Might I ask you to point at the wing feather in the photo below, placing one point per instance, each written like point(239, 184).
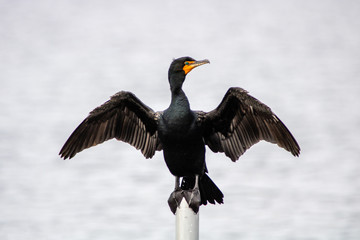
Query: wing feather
point(123, 117)
point(240, 121)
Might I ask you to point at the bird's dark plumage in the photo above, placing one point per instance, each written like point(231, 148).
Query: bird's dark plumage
point(123, 117)
point(240, 121)
point(234, 126)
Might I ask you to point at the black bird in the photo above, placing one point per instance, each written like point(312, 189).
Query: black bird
point(234, 126)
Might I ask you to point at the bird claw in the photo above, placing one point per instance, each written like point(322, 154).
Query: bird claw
point(192, 197)
point(175, 199)
point(194, 200)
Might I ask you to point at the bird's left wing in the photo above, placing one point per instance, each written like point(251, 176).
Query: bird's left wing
point(239, 122)
point(123, 117)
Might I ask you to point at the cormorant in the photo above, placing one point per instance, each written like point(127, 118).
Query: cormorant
point(234, 126)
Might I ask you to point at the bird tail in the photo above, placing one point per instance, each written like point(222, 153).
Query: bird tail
point(209, 192)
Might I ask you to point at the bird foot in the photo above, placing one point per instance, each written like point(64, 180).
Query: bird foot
point(191, 196)
point(175, 199)
point(193, 199)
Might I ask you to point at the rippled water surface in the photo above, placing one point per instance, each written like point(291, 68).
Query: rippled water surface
point(61, 59)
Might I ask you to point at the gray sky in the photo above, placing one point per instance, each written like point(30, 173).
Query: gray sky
point(61, 59)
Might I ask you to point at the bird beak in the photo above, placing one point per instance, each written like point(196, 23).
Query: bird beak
point(190, 65)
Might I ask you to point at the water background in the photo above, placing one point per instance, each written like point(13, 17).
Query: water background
point(61, 59)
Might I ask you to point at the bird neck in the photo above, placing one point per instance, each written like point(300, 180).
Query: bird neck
point(179, 99)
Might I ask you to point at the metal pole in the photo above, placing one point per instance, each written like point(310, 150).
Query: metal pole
point(187, 222)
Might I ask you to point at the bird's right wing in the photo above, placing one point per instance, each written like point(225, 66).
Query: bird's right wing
point(123, 117)
point(239, 122)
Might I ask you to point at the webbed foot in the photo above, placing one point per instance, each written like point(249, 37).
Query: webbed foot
point(175, 199)
point(193, 199)
point(192, 196)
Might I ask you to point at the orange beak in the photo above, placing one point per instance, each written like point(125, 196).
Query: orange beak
point(190, 65)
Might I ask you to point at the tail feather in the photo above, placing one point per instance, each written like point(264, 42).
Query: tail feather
point(208, 190)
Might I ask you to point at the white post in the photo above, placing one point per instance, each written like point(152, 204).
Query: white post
point(187, 222)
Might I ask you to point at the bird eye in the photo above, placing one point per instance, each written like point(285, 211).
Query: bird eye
point(186, 63)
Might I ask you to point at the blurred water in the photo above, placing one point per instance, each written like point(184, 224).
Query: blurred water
point(60, 59)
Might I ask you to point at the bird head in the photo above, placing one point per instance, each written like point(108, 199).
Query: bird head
point(180, 67)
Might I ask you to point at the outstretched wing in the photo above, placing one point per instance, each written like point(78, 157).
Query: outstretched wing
point(123, 117)
point(240, 121)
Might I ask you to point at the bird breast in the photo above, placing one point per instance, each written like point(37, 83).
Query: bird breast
point(177, 126)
